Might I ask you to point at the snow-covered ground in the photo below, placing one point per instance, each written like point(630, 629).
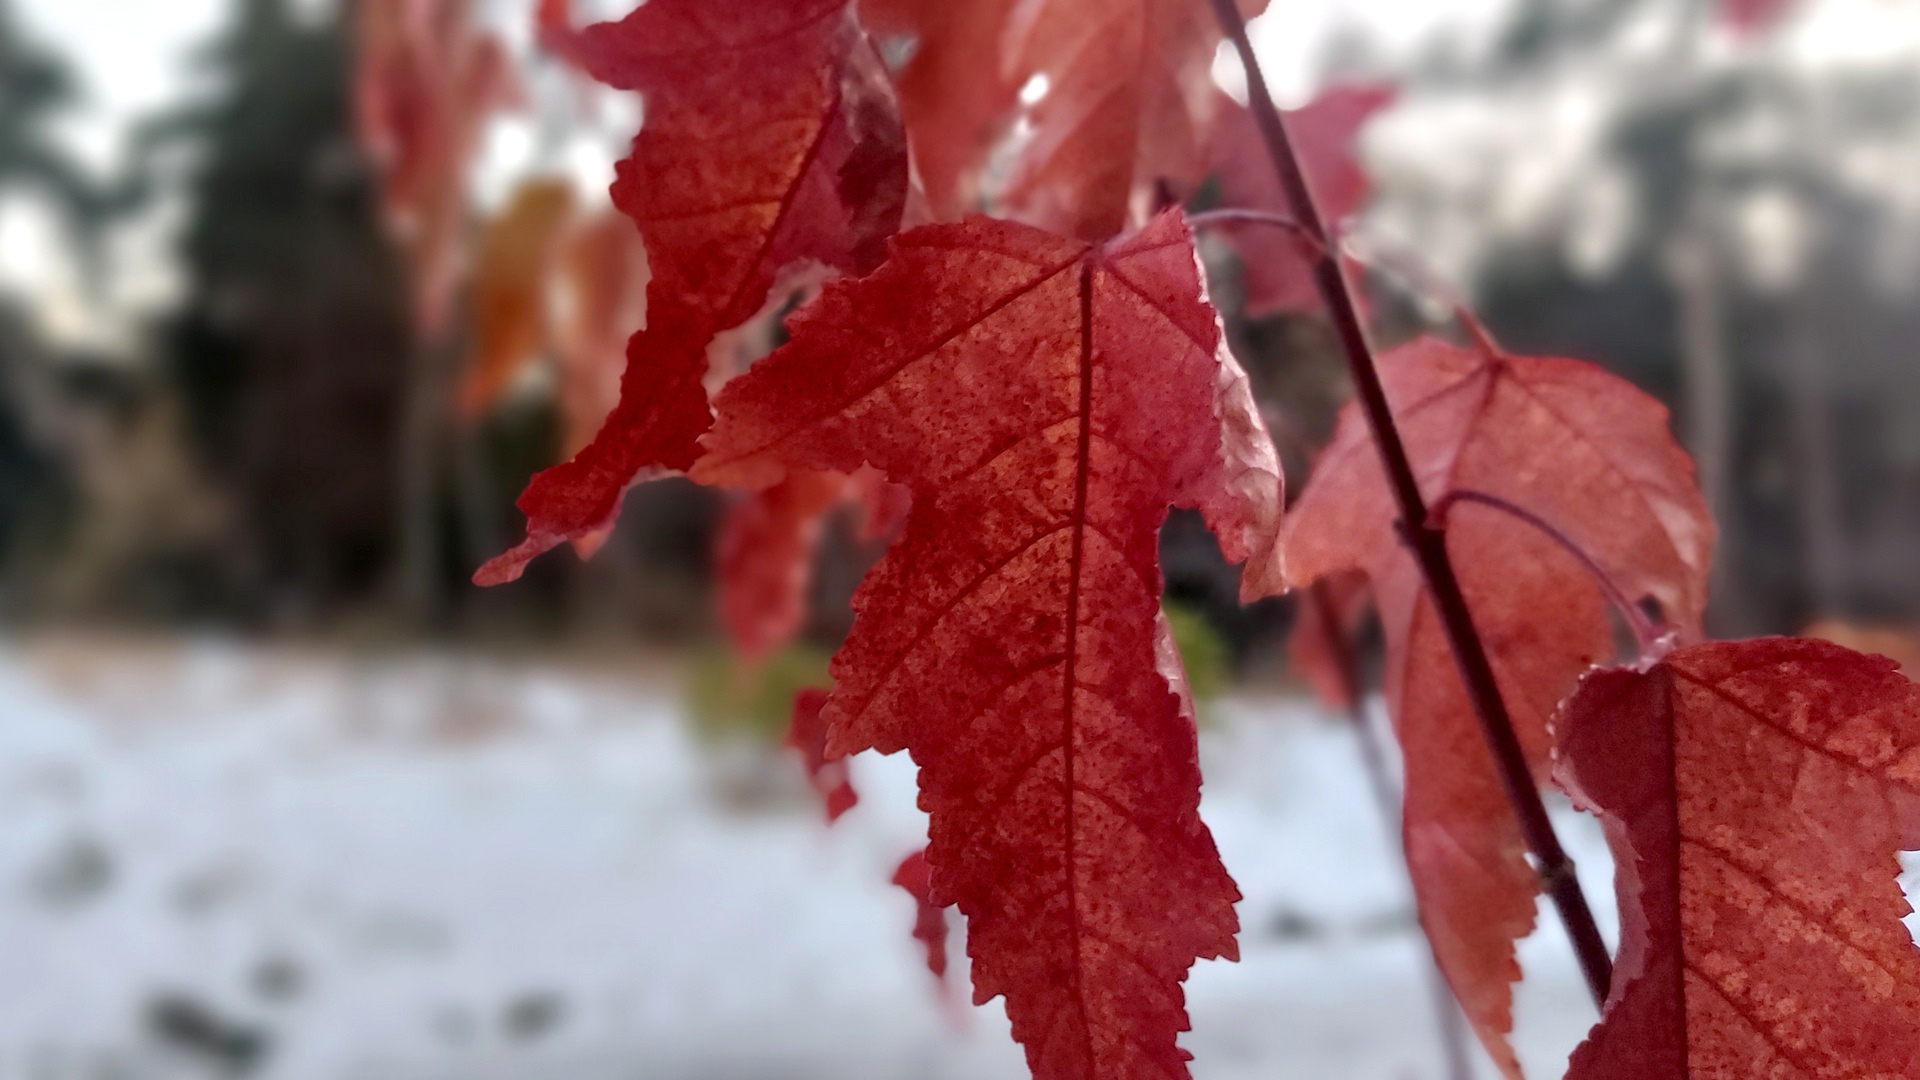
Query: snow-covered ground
point(221, 857)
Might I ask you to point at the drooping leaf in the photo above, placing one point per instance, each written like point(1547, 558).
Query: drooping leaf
point(955, 96)
point(764, 558)
point(1320, 645)
point(1130, 99)
point(827, 772)
point(930, 919)
point(1277, 271)
point(1756, 794)
point(1045, 400)
point(771, 137)
point(1590, 455)
point(511, 284)
point(425, 79)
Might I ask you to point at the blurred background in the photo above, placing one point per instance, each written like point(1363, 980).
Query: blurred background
point(284, 796)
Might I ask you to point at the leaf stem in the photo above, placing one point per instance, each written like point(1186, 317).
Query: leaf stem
point(1644, 630)
point(1231, 217)
point(1427, 543)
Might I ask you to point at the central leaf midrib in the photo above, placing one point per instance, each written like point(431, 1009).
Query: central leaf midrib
point(1075, 566)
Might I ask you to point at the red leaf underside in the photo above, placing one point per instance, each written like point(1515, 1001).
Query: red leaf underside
point(1756, 794)
point(1045, 401)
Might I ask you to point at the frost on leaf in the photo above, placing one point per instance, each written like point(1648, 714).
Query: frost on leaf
point(1756, 794)
point(826, 772)
point(1592, 456)
point(771, 138)
point(1045, 401)
point(1277, 272)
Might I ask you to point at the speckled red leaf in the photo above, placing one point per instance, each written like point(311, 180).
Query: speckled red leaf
point(1130, 100)
point(771, 138)
point(954, 94)
point(764, 558)
point(1277, 272)
point(915, 875)
point(826, 772)
point(425, 78)
point(1591, 455)
point(1046, 401)
point(1756, 794)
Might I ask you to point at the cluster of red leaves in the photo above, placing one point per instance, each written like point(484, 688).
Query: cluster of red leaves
point(1022, 402)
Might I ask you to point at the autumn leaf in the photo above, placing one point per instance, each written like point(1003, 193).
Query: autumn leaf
point(1130, 99)
point(1592, 457)
point(955, 97)
point(1748, 17)
point(764, 558)
point(603, 275)
point(1320, 644)
point(425, 79)
point(826, 772)
point(1756, 794)
point(1045, 400)
point(915, 875)
point(771, 138)
point(1277, 272)
point(511, 280)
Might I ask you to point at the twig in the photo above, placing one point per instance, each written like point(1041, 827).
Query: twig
point(1230, 217)
point(1644, 630)
point(1386, 796)
point(1427, 543)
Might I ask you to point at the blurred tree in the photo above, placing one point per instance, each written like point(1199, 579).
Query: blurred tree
point(291, 346)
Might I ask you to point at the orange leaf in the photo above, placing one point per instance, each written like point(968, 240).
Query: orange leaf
point(1045, 400)
point(517, 258)
point(1592, 456)
point(1756, 794)
point(771, 138)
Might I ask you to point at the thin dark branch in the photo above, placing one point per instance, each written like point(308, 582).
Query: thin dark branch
point(1231, 217)
point(1428, 544)
point(1644, 631)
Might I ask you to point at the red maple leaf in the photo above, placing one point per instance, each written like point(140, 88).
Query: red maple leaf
point(1756, 794)
point(826, 772)
point(1045, 400)
point(1130, 99)
point(425, 79)
point(1591, 457)
point(1277, 272)
point(930, 919)
point(771, 138)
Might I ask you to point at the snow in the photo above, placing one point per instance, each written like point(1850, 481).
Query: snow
point(437, 865)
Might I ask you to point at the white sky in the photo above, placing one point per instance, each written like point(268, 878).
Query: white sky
point(132, 57)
